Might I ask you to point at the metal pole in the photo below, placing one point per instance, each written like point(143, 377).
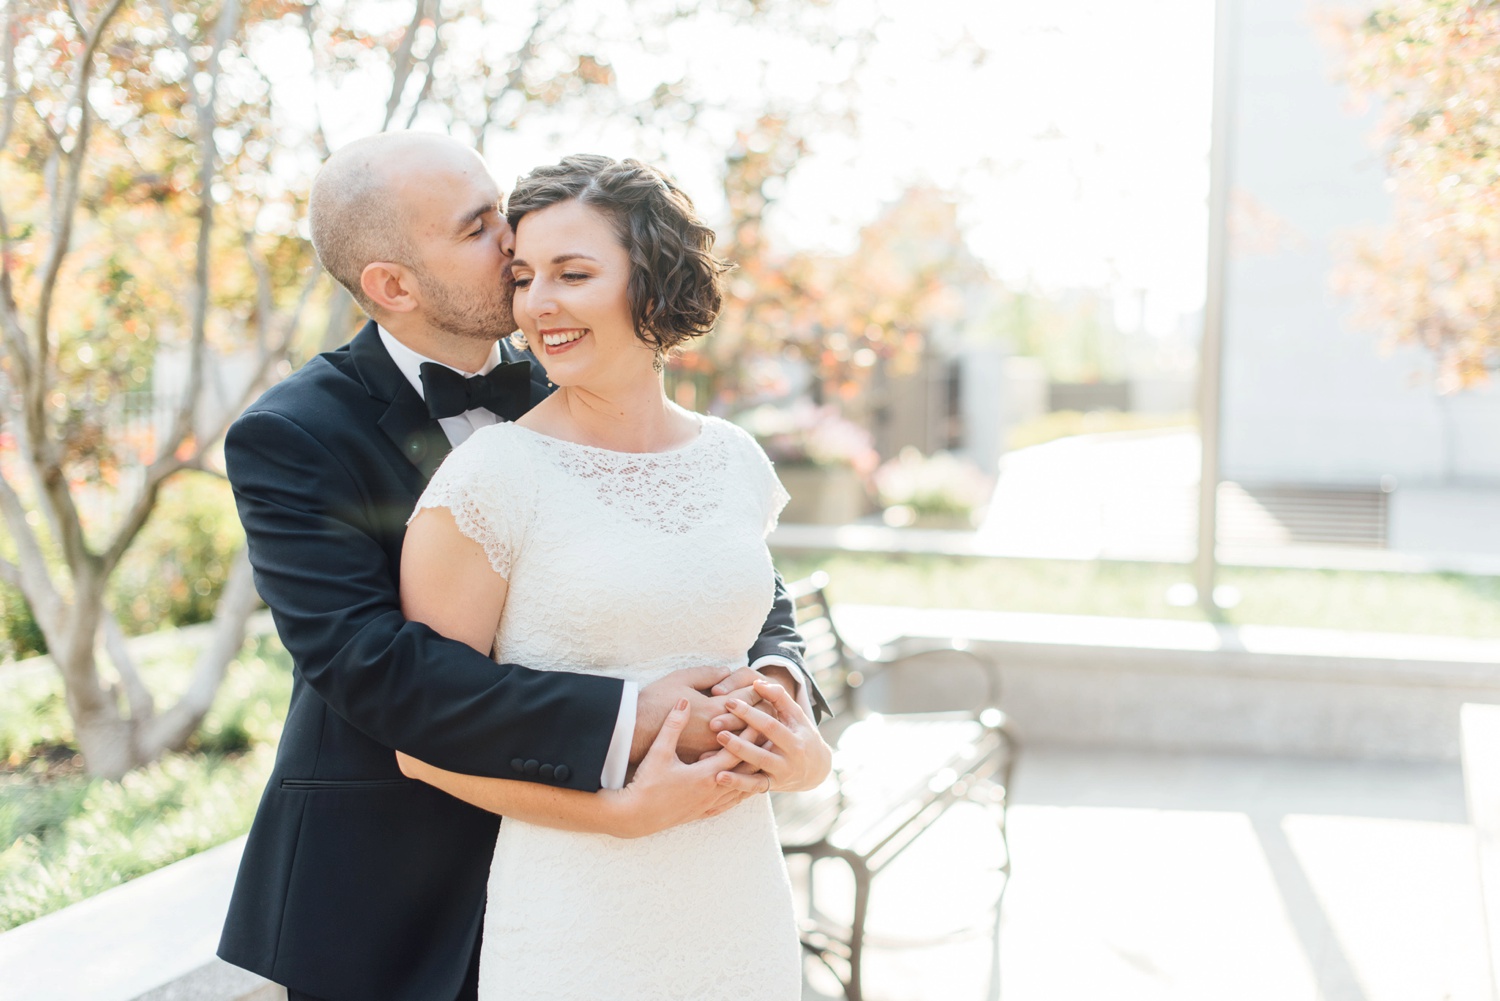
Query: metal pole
point(1211, 351)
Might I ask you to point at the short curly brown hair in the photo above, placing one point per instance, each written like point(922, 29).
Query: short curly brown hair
point(676, 282)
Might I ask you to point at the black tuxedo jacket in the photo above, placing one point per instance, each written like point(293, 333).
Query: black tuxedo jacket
point(357, 883)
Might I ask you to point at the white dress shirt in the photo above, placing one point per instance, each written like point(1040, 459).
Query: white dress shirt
point(458, 429)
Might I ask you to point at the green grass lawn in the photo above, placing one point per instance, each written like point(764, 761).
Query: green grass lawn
point(1450, 604)
point(65, 836)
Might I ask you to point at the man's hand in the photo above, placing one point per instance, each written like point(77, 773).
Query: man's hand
point(666, 792)
point(794, 756)
point(741, 685)
point(657, 699)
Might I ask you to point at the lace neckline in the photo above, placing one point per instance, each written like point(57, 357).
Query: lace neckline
point(679, 450)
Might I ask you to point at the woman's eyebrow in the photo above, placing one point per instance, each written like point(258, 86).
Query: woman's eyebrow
point(559, 259)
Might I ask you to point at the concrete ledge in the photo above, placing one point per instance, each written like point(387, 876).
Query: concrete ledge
point(1184, 686)
point(151, 939)
point(877, 538)
point(1481, 758)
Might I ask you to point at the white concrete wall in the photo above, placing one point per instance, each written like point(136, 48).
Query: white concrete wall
point(1190, 687)
point(151, 939)
point(1445, 521)
point(1306, 399)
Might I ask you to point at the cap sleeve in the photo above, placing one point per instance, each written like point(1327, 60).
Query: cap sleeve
point(767, 485)
point(488, 486)
point(778, 498)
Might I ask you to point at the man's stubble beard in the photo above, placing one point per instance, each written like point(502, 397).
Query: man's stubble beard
point(485, 315)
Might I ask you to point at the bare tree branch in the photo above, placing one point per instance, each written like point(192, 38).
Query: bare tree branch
point(139, 511)
point(272, 352)
point(265, 301)
point(10, 323)
point(10, 573)
point(52, 134)
point(514, 80)
point(429, 66)
point(137, 696)
point(51, 482)
point(8, 74)
point(271, 355)
point(166, 462)
point(182, 424)
point(320, 135)
point(340, 309)
point(178, 38)
point(401, 64)
point(171, 729)
point(77, 16)
point(65, 204)
point(34, 579)
point(15, 335)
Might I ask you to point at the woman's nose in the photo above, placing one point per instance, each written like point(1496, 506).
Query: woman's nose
point(539, 301)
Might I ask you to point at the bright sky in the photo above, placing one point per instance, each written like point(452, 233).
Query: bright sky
point(1074, 135)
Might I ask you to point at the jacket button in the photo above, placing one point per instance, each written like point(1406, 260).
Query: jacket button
point(561, 773)
point(517, 765)
point(531, 766)
point(545, 771)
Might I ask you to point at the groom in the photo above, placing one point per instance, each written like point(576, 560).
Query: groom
point(357, 883)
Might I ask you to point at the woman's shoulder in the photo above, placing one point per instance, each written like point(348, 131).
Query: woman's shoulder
point(484, 444)
point(500, 451)
point(727, 430)
point(733, 438)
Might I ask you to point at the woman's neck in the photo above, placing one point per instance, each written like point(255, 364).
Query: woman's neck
point(633, 417)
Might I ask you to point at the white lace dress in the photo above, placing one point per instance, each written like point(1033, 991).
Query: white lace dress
point(629, 565)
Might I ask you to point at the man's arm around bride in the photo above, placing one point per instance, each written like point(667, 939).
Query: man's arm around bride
point(448, 584)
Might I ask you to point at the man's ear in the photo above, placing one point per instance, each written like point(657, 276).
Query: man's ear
point(391, 287)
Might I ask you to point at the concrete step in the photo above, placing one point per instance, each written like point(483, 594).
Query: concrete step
point(151, 939)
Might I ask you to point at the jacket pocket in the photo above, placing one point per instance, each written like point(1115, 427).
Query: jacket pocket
point(345, 783)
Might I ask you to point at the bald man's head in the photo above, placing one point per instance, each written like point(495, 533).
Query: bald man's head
point(357, 211)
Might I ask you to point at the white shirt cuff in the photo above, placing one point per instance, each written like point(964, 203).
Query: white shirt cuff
point(617, 759)
point(798, 675)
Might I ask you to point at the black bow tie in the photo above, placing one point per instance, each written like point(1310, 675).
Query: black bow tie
point(506, 390)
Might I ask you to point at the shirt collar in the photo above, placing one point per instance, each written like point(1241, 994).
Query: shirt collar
point(410, 362)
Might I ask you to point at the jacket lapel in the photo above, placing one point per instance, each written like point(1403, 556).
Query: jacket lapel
point(418, 437)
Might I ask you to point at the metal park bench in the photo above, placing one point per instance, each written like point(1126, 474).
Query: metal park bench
point(894, 773)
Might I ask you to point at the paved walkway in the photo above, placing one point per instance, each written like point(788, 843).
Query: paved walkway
point(1138, 877)
point(1143, 877)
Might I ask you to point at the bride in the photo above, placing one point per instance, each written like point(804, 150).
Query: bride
point(611, 531)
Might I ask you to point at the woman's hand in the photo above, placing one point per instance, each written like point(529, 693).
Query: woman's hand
point(665, 792)
point(794, 756)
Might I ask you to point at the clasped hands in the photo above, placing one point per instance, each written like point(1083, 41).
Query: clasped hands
point(706, 739)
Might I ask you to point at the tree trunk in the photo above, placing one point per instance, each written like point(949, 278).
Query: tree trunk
point(105, 736)
point(170, 731)
point(113, 741)
point(340, 318)
point(108, 744)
